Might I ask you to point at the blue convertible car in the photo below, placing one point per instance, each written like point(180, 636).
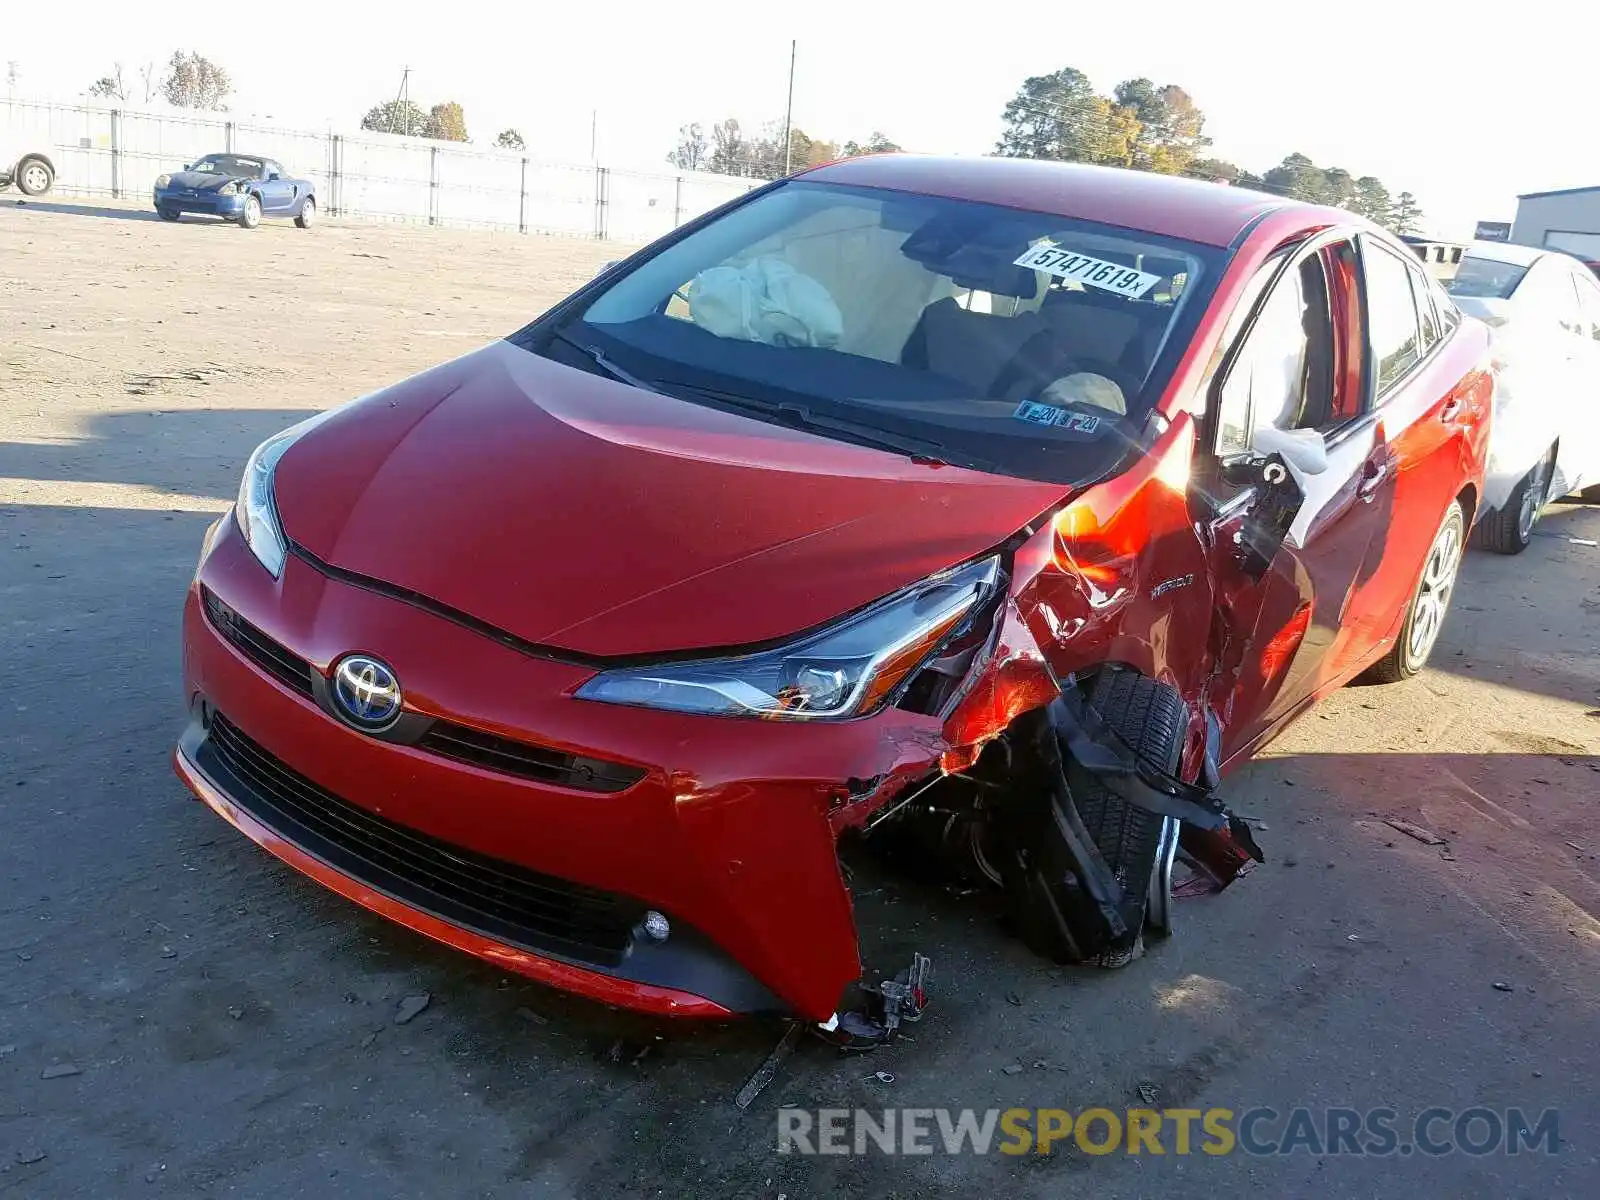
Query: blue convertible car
point(236, 187)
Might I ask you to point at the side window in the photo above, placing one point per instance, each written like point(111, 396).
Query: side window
point(1547, 291)
point(1425, 311)
point(1283, 373)
point(1392, 326)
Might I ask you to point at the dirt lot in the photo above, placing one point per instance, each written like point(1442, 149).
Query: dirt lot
point(230, 1026)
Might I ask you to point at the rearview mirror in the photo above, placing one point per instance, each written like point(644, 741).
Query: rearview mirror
point(1303, 449)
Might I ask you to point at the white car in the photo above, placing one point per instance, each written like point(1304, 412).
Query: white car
point(30, 171)
point(1544, 310)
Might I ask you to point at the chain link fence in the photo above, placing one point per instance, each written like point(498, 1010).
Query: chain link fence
point(118, 152)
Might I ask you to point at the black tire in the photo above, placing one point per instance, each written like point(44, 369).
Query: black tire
point(1061, 922)
point(1509, 528)
point(34, 176)
point(251, 216)
point(168, 214)
point(1406, 657)
point(308, 213)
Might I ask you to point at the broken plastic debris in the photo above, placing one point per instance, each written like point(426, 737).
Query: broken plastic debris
point(1426, 836)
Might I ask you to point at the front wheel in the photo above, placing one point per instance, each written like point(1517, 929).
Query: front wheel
point(308, 214)
point(1429, 603)
point(1509, 529)
point(251, 216)
point(167, 214)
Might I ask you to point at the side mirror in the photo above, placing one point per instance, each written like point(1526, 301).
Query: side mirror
point(1303, 449)
point(271, 175)
point(606, 266)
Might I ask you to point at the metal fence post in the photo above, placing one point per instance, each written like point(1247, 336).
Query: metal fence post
point(677, 201)
point(116, 153)
point(433, 185)
point(227, 136)
point(602, 197)
point(333, 175)
point(522, 199)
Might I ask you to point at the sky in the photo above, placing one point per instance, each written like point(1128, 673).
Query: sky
point(1465, 118)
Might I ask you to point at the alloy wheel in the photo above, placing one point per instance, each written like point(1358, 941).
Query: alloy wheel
point(1433, 596)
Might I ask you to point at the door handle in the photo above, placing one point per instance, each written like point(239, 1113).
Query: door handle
point(1373, 473)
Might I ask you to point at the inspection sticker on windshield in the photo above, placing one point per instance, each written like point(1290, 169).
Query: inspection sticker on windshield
point(1062, 418)
point(1086, 269)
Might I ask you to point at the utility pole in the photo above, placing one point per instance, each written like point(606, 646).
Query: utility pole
point(402, 99)
point(788, 115)
point(594, 134)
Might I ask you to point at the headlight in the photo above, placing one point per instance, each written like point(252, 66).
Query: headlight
point(255, 510)
point(228, 189)
point(163, 180)
point(844, 671)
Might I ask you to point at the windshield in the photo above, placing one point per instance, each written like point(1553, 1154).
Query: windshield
point(1013, 341)
point(228, 164)
point(1485, 278)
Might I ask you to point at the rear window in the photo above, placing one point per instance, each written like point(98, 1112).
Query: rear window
point(1003, 337)
point(1486, 278)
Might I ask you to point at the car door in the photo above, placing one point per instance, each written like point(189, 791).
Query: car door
point(1429, 407)
point(1578, 465)
point(1297, 362)
point(277, 193)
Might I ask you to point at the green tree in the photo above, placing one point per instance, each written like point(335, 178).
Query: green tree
point(194, 81)
point(1406, 217)
point(447, 122)
point(878, 143)
point(396, 116)
point(1372, 200)
point(692, 151)
point(1055, 116)
point(510, 139)
point(1218, 170)
point(729, 149)
point(1171, 130)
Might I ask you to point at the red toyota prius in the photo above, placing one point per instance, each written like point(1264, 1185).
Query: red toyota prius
point(1031, 495)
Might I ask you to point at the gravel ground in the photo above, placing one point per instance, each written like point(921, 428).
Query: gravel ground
point(180, 1015)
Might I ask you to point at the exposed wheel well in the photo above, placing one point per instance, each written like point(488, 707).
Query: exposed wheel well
point(44, 158)
point(1468, 497)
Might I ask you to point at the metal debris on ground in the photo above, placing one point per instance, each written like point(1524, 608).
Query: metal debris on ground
point(29, 1155)
point(1147, 1093)
point(1426, 836)
point(411, 1006)
point(60, 1071)
point(883, 1076)
point(1503, 987)
point(1013, 999)
point(764, 1074)
point(1011, 1069)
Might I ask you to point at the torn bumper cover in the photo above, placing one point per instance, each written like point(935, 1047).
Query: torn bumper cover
point(733, 842)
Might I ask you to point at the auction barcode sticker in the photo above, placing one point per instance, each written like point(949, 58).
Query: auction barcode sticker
point(1086, 269)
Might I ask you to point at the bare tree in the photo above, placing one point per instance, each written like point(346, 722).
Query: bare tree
point(152, 81)
point(110, 87)
point(194, 81)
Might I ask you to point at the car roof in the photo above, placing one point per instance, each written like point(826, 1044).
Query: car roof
point(1173, 206)
point(1506, 252)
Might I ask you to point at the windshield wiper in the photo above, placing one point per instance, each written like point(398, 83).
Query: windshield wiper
point(923, 451)
point(598, 357)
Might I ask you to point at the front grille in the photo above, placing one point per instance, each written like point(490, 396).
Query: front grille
point(444, 738)
point(497, 898)
point(449, 740)
point(272, 657)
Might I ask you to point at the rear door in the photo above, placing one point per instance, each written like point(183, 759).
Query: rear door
point(1429, 408)
point(1297, 362)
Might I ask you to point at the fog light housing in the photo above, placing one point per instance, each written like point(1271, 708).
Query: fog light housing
point(656, 926)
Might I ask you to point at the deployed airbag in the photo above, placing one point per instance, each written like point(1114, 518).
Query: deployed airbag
point(765, 301)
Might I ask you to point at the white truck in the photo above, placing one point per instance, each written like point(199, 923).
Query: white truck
point(30, 171)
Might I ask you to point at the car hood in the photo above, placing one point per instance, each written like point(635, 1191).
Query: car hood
point(586, 515)
point(200, 181)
